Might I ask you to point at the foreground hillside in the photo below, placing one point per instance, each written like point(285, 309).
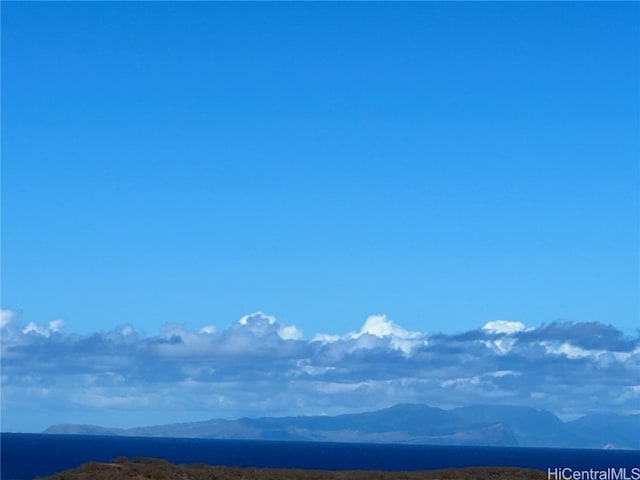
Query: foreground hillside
point(148, 469)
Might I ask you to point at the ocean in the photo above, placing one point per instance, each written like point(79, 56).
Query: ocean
point(25, 456)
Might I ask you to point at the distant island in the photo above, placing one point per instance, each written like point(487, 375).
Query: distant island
point(409, 424)
point(156, 469)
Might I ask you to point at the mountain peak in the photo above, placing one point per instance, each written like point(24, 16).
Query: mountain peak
point(407, 423)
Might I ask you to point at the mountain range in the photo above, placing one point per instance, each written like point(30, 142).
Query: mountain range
point(408, 423)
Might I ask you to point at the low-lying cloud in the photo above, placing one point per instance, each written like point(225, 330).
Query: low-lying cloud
point(260, 367)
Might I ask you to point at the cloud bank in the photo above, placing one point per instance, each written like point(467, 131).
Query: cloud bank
point(260, 367)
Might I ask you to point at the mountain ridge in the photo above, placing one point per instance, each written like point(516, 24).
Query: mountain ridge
point(477, 425)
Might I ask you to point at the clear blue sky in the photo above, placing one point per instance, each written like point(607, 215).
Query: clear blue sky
point(469, 170)
point(444, 164)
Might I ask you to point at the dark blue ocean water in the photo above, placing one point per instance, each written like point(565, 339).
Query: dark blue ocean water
point(25, 456)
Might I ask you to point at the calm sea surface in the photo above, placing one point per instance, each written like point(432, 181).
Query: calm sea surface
point(25, 456)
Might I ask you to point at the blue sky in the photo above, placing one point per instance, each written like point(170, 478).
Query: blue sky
point(447, 165)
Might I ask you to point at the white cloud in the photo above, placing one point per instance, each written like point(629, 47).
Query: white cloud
point(379, 327)
point(7, 316)
point(461, 382)
point(505, 331)
point(44, 330)
point(570, 351)
point(501, 346)
point(326, 338)
point(401, 339)
point(504, 326)
point(176, 340)
point(257, 317)
point(624, 356)
point(290, 333)
point(504, 373)
point(261, 367)
point(127, 330)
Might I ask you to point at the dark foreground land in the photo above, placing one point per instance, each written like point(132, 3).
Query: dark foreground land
point(147, 469)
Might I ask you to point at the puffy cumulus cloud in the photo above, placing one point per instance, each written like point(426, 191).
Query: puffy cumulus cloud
point(9, 323)
point(504, 326)
point(257, 319)
point(7, 316)
point(399, 338)
point(44, 330)
point(290, 332)
point(502, 333)
point(257, 366)
point(261, 325)
point(379, 326)
point(377, 332)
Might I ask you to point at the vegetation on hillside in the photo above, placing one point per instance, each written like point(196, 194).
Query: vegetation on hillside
point(156, 469)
